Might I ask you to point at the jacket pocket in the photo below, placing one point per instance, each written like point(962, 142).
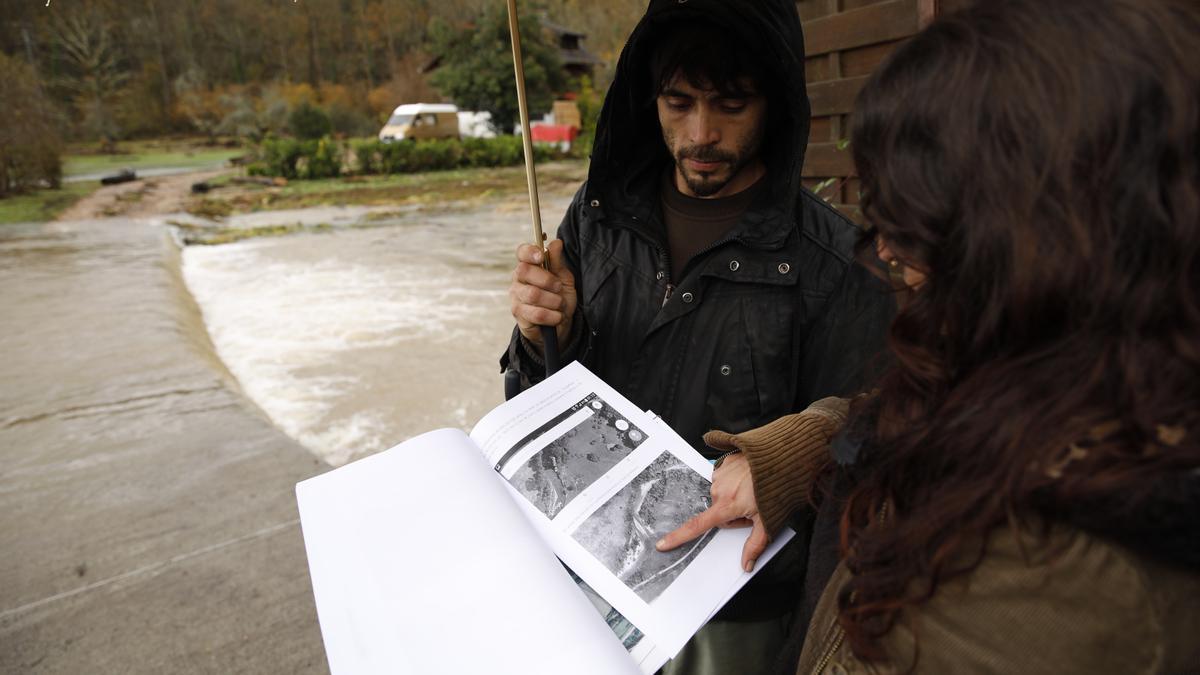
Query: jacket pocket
point(597, 306)
point(594, 276)
point(732, 404)
point(774, 349)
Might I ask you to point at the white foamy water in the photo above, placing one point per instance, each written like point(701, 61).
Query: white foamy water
point(354, 340)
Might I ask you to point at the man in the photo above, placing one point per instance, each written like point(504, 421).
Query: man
point(695, 275)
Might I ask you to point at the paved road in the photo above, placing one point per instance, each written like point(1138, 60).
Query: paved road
point(147, 517)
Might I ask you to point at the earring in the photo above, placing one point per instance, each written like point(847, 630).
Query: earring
point(894, 264)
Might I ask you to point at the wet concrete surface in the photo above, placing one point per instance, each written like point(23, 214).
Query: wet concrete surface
point(147, 514)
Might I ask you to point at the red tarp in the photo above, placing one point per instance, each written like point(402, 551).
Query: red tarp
point(553, 133)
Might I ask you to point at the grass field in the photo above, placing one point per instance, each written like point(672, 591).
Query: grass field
point(433, 187)
point(85, 160)
point(141, 155)
point(44, 204)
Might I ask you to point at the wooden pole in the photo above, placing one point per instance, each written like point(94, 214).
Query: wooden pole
point(549, 334)
point(539, 237)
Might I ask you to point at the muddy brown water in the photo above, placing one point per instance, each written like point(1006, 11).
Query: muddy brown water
point(147, 521)
point(157, 407)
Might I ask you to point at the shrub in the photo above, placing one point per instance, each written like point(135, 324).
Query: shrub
point(437, 154)
point(325, 161)
point(499, 151)
point(368, 157)
point(348, 122)
point(541, 153)
point(309, 122)
point(396, 157)
point(281, 156)
point(325, 158)
point(589, 101)
point(259, 169)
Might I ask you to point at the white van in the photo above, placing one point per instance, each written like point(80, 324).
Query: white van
point(412, 121)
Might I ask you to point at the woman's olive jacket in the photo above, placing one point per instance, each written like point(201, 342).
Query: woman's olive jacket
point(1071, 603)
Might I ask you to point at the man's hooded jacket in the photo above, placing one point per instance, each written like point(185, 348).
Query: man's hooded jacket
point(773, 315)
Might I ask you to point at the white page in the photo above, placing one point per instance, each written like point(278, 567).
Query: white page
point(421, 563)
point(633, 459)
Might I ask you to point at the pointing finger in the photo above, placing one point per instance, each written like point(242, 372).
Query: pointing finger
point(694, 527)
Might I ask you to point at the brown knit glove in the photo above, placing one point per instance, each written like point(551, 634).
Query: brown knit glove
point(786, 456)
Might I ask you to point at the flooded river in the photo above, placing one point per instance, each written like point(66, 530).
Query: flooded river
point(158, 406)
point(147, 513)
point(354, 340)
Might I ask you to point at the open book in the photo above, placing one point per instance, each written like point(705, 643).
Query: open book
point(525, 547)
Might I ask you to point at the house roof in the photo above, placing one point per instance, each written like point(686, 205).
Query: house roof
point(574, 56)
point(559, 29)
point(577, 56)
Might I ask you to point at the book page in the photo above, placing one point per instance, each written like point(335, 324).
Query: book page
point(602, 481)
point(422, 563)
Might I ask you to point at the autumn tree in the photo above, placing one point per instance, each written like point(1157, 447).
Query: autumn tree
point(199, 103)
point(119, 67)
point(30, 147)
point(476, 66)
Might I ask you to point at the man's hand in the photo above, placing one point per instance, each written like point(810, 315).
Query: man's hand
point(733, 505)
point(542, 297)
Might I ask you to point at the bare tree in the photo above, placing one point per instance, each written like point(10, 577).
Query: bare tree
point(95, 74)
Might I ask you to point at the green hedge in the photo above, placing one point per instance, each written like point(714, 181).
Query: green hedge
point(293, 158)
point(326, 158)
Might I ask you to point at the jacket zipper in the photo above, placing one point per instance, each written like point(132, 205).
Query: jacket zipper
point(664, 259)
point(837, 644)
point(720, 242)
point(667, 259)
point(841, 634)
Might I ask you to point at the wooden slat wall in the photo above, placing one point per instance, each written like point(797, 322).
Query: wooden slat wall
point(845, 40)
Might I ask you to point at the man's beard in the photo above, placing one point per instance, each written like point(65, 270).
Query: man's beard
point(708, 183)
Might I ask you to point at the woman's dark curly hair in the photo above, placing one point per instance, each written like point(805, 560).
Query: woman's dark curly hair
point(1040, 162)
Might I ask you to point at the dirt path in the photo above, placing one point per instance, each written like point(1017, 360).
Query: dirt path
point(140, 198)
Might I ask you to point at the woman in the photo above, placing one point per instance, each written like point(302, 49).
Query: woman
point(1027, 493)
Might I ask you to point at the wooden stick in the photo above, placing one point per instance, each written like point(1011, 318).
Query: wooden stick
point(549, 334)
point(539, 237)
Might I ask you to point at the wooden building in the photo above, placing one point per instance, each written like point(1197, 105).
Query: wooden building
point(576, 59)
point(844, 41)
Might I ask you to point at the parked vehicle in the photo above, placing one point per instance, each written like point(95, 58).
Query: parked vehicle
point(413, 121)
point(472, 124)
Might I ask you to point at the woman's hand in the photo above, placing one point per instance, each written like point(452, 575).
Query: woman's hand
point(733, 505)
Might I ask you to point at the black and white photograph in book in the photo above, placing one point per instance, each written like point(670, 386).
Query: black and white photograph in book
point(622, 532)
point(567, 465)
point(626, 632)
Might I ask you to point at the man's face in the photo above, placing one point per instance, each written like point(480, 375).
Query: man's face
point(714, 138)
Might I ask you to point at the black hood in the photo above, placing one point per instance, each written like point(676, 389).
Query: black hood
point(629, 148)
